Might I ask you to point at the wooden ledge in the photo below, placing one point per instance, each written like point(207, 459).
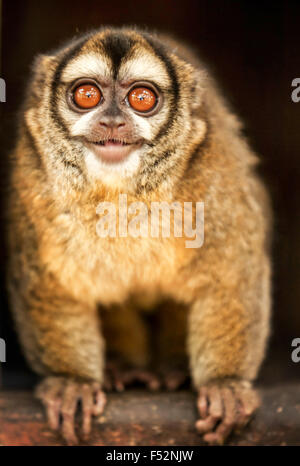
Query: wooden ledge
point(143, 418)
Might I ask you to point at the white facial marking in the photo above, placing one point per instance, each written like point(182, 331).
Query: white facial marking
point(111, 173)
point(143, 126)
point(145, 67)
point(92, 65)
point(83, 124)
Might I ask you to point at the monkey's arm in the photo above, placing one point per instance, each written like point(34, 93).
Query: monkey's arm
point(227, 332)
point(228, 285)
point(62, 341)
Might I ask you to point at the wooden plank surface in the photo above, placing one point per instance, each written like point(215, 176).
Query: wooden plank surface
point(137, 417)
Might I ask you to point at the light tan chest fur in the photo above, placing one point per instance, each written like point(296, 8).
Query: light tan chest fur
point(109, 270)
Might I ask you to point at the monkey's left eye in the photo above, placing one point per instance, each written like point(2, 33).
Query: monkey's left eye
point(86, 96)
point(142, 99)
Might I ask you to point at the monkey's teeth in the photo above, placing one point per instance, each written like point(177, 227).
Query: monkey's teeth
point(116, 142)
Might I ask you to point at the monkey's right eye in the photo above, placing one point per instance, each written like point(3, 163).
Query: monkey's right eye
point(87, 95)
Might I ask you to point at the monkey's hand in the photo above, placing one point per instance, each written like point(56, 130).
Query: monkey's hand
point(225, 407)
point(62, 398)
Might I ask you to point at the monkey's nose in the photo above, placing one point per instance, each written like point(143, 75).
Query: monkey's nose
point(111, 123)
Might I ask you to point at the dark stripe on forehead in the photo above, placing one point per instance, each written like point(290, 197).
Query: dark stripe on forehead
point(69, 55)
point(160, 52)
point(117, 45)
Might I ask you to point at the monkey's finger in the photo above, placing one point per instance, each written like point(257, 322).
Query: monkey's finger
point(96, 386)
point(228, 423)
point(206, 425)
point(215, 411)
point(53, 408)
point(215, 402)
point(49, 392)
point(87, 409)
point(100, 402)
point(69, 406)
point(248, 402)
point(202, 402)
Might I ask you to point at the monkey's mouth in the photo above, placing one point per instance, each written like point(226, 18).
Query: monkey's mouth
point(115, 142)
point(113, 150)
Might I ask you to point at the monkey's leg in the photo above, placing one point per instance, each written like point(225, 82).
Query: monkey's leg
point(226, 342)
point(128, 349)
point(62, 341)
point(171, 351)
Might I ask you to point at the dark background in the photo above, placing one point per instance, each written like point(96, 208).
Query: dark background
point(253, 49)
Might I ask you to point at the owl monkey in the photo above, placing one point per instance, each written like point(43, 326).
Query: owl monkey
point(128, 111)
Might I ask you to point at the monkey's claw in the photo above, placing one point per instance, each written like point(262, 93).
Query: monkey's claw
point(62, 399)
point(225, 408)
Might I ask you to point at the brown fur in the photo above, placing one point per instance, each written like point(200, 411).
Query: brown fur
point(60, 270)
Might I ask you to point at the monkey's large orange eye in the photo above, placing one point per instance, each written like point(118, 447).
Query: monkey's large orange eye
point(87, 95)
point(142, 99)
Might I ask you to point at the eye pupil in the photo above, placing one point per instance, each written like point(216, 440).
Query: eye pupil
point(142, 99)
point(87, 96)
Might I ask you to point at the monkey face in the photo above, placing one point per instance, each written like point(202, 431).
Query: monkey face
point(125, 105)
point(114, 117)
